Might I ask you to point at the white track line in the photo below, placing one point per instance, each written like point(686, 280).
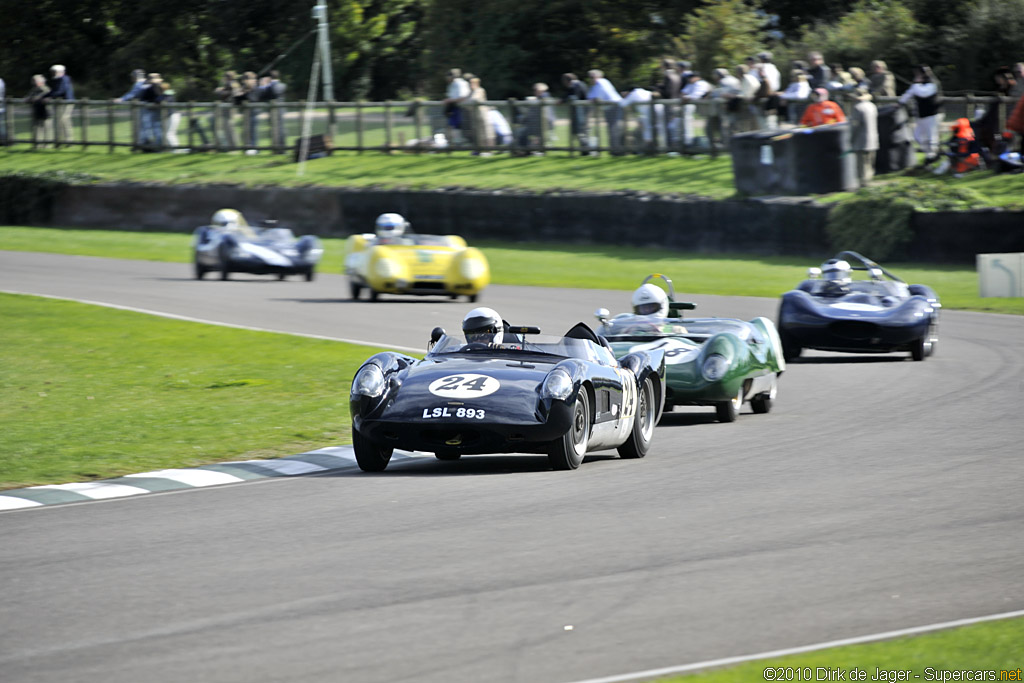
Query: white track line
point(97, 490)
point(186, 318)
point(191, 477)
point(684, 668)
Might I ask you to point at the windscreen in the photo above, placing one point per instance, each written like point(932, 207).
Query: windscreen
point(516, 344)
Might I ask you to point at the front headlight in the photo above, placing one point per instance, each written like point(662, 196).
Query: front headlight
point(557, 384)
point(715, 367)
point(387, 268)
point(471, 268)
point(369, 381)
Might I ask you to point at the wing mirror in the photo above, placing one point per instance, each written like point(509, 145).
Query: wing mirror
point(876, 273)
point(435, 336)
point(814, 273)
point(602, 315)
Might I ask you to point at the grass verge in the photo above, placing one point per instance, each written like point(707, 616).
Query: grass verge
point(993, 646)
point(89, 393)
point(551, 265)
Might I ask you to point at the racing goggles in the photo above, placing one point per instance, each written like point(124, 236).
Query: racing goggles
point(487, 332)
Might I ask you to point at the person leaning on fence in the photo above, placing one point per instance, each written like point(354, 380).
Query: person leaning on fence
point(456, 92)
point(640, 99)
point(695, 90)
point(882, 82)
point(173, 119)
point(721, 124)
point(483, 134)
point(225, 96)
point(822, 111)
point(864, 132)
point(818, 73)
point(535, 118)
point(602, 90)
point(63, 94)
point(151, 134)
point(797, 92)
point(272, 92)
point(579, 123)
point(749, 115)
point(249, 101)
point(40, 114)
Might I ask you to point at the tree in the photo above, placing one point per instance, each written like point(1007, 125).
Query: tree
point(723, 34)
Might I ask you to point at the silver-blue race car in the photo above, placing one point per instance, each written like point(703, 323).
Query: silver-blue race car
point(834, 311)
point(230, 245)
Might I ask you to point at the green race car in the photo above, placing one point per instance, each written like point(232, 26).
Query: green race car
point(720, 362)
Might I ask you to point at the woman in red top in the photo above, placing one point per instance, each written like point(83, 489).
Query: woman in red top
point(822, 111)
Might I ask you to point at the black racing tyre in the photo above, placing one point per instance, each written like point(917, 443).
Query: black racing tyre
point(355, 290)
point(728, 411)
point(790, 349)
point(369, 456)
point(373, 294)
point(200, 271)
point(473, 298)
point(281, 276)
point(568, 452)
point(639, 441)
point(762, 403)
point(310, 274)
point(447, 456)
point(222, 252)
point(920, 349)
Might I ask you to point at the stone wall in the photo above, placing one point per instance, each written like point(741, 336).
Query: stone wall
point(782, 226)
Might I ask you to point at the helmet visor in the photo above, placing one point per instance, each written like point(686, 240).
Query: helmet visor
point(481, 334)
point(648, 308)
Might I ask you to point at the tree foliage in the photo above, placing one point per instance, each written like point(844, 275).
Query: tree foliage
point(723, 34)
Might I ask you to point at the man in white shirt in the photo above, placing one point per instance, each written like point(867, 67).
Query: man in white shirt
point(642, 97)
point(457, 91)
point(695, 89)
point(602, 90)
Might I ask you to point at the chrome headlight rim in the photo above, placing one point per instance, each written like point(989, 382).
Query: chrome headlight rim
point(557, 385)
point(715, 367)
point(369, 381)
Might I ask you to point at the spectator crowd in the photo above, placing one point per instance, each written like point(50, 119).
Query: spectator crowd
point(678, 110)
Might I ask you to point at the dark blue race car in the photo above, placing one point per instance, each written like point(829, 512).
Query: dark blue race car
point(562, 396)
point(879, 313)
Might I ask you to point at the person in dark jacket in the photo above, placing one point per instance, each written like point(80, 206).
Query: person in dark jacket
point(579, 124)
point(40, 114)
point(62, 93)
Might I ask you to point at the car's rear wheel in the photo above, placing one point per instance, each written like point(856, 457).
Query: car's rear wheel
point(225, 271)
point(200, 271)
point(354, 290)
point(373, 294)
point(567, 452)
point(473, 298)
point(790, 349)
point(639, 441)
point(728, 411)
point(310, 274)
point(369, 456)
point(281, 276)
point(447, 456)
point(762, 403)
point(920, 349)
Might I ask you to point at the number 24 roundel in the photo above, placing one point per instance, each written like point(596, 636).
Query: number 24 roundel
point(464, 386)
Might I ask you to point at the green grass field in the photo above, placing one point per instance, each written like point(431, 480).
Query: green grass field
point(593, 267)
point(993, 646)
point(90, 393)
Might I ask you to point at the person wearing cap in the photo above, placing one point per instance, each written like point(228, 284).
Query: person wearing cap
point(864, 132)
point(822, 111)
point(224, 115)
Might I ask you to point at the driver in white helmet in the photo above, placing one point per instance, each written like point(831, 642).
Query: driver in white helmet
point(836, 276)
point(483, 326)
point(390, 227)
point(651, 300)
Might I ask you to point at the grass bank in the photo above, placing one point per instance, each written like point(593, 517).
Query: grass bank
point(699, 176)
point(990, 647)
point(550, 265)
point(90, 393)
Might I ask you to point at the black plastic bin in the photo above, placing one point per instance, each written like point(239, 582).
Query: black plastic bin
point(794, 162)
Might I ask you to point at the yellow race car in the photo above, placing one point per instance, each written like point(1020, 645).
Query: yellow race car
point(394, 261)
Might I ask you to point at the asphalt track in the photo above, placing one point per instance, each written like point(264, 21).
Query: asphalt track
point(879, 494)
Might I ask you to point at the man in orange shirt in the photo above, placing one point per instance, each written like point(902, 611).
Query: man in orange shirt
point(822, 111)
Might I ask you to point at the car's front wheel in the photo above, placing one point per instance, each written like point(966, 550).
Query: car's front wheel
point(567, 452)
point(728, 411)
point(310, 274)
point(369, 456)
point(200, 271)
point(762, 403)
point(639, 441)
point(354, 290)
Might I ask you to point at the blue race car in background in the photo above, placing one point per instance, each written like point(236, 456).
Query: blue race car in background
point(532, 393)
point(832, 311)
point(230, 245)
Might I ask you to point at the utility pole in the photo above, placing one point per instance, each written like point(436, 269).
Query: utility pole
point(324, 41)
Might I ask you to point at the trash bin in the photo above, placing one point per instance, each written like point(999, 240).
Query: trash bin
point(824, 161)
point(895, 146)
point(761, 160)
point(795, 162)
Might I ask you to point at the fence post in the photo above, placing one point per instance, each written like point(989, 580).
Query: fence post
point(417, 118)
point(387, 126)
point(110, 126)
point(359, 126)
